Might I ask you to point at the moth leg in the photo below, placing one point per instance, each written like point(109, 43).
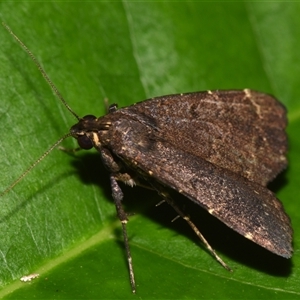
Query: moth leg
point(170, 201)
point(117, 195)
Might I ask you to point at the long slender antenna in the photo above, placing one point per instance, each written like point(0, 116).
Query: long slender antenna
point(60, 97)
point(53, 87)
point(34, 164)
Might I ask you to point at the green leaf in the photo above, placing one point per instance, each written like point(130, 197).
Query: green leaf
point(59, 221)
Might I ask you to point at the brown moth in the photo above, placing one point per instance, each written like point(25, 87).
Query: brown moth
point(218, 148)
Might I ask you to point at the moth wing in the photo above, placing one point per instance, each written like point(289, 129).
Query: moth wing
point(248, 208)
point(239, 130)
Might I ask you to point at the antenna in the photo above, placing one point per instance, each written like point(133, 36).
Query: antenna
point(60, 97)
point(34, 164)
point(53, 87)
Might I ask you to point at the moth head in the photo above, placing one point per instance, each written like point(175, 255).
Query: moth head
point(84, 131)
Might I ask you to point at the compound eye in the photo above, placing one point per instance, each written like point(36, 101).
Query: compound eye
point(84, 142)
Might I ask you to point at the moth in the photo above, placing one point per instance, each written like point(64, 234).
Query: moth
point(220, 149)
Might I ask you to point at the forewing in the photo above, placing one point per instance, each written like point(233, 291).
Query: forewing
point(247, 207)
point(242, 131)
